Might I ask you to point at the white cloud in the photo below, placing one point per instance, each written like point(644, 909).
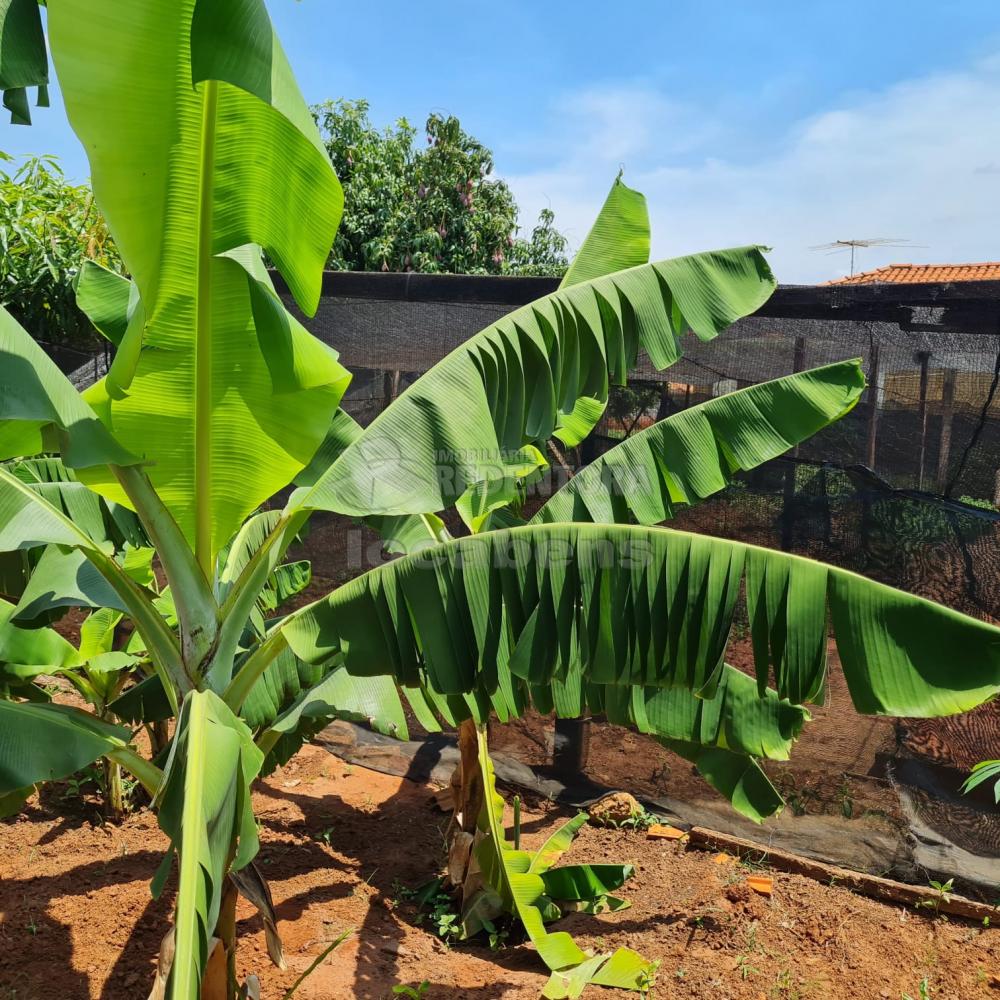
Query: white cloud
point(919, 161)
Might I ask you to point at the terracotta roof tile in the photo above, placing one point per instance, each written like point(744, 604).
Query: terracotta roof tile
point(911, 274)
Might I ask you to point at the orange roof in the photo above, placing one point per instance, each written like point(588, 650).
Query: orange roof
point(911, 274)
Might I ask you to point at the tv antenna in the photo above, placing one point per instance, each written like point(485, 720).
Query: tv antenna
point(841, 246)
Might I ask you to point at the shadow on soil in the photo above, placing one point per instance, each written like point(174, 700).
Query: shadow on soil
point(415, 853)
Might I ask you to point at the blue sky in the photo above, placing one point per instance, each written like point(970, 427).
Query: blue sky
point(785, 123)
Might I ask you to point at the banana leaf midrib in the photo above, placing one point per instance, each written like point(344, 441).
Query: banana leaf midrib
point(209, 97)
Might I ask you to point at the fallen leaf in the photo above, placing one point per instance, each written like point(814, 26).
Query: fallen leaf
point(762, 884)
point(659, 832)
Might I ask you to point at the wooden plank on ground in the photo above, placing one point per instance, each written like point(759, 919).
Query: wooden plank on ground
point(860, 882)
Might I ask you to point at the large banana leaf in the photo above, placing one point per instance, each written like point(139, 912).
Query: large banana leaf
point(401, 534)
point(646, 607)
point(693, 454)
point(66, 578)
point(48, 742)
point(41, 411)
point(28, 519)
point(205, 810)
point(618, 240)
point(737, 776)
point(58, 577)
point(214, 383)
point(338, 695)
point(101, 520)
point(540, 371)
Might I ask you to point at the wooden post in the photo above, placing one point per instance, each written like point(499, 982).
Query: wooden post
point(873, 401)
point(923, 357)
point(571, 745)
point(666, 403)
point(390, 387)
point(947, 413)
point(798, 364)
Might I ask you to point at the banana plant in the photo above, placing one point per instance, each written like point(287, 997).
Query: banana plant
point(205, 160)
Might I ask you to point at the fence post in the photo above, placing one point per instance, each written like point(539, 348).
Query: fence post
point(873, 400)
point(947, 413)
point(571, 745)
point(798, 364)
point(390, 387)
point(923, 357)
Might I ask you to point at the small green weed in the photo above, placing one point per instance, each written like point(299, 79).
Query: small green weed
point(745, 968)
point(647, 979)
point(641, 819)
point(942, 890)
point(413, 992)
point(924, 988)
point(497, 938)
point(437, 909)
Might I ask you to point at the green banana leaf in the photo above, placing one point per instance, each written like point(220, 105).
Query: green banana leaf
point(986, 770)
point(23, 60)
point(619, 238)
point(401, 535)
point(737, 717)
point(214, 383)
point(583, 882)
point(645, 607)
point(556, 845)
point(540, 371)
point(47, 742)
point(103, 521)
point(40, 410)
point(282, 582)
point(65, 578)
point(204, 807)
point(107, 298)
point(41, 648)
point(737, 776)
point(280, 685)
point(339, 695)
point(28, 519)
point(55, 577)
point(693, 454)
point(143, 702)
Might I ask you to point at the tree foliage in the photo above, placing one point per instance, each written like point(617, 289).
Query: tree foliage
point(435, 208)
point(48, 227)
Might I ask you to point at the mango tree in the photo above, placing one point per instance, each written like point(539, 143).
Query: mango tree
point(205, 160)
